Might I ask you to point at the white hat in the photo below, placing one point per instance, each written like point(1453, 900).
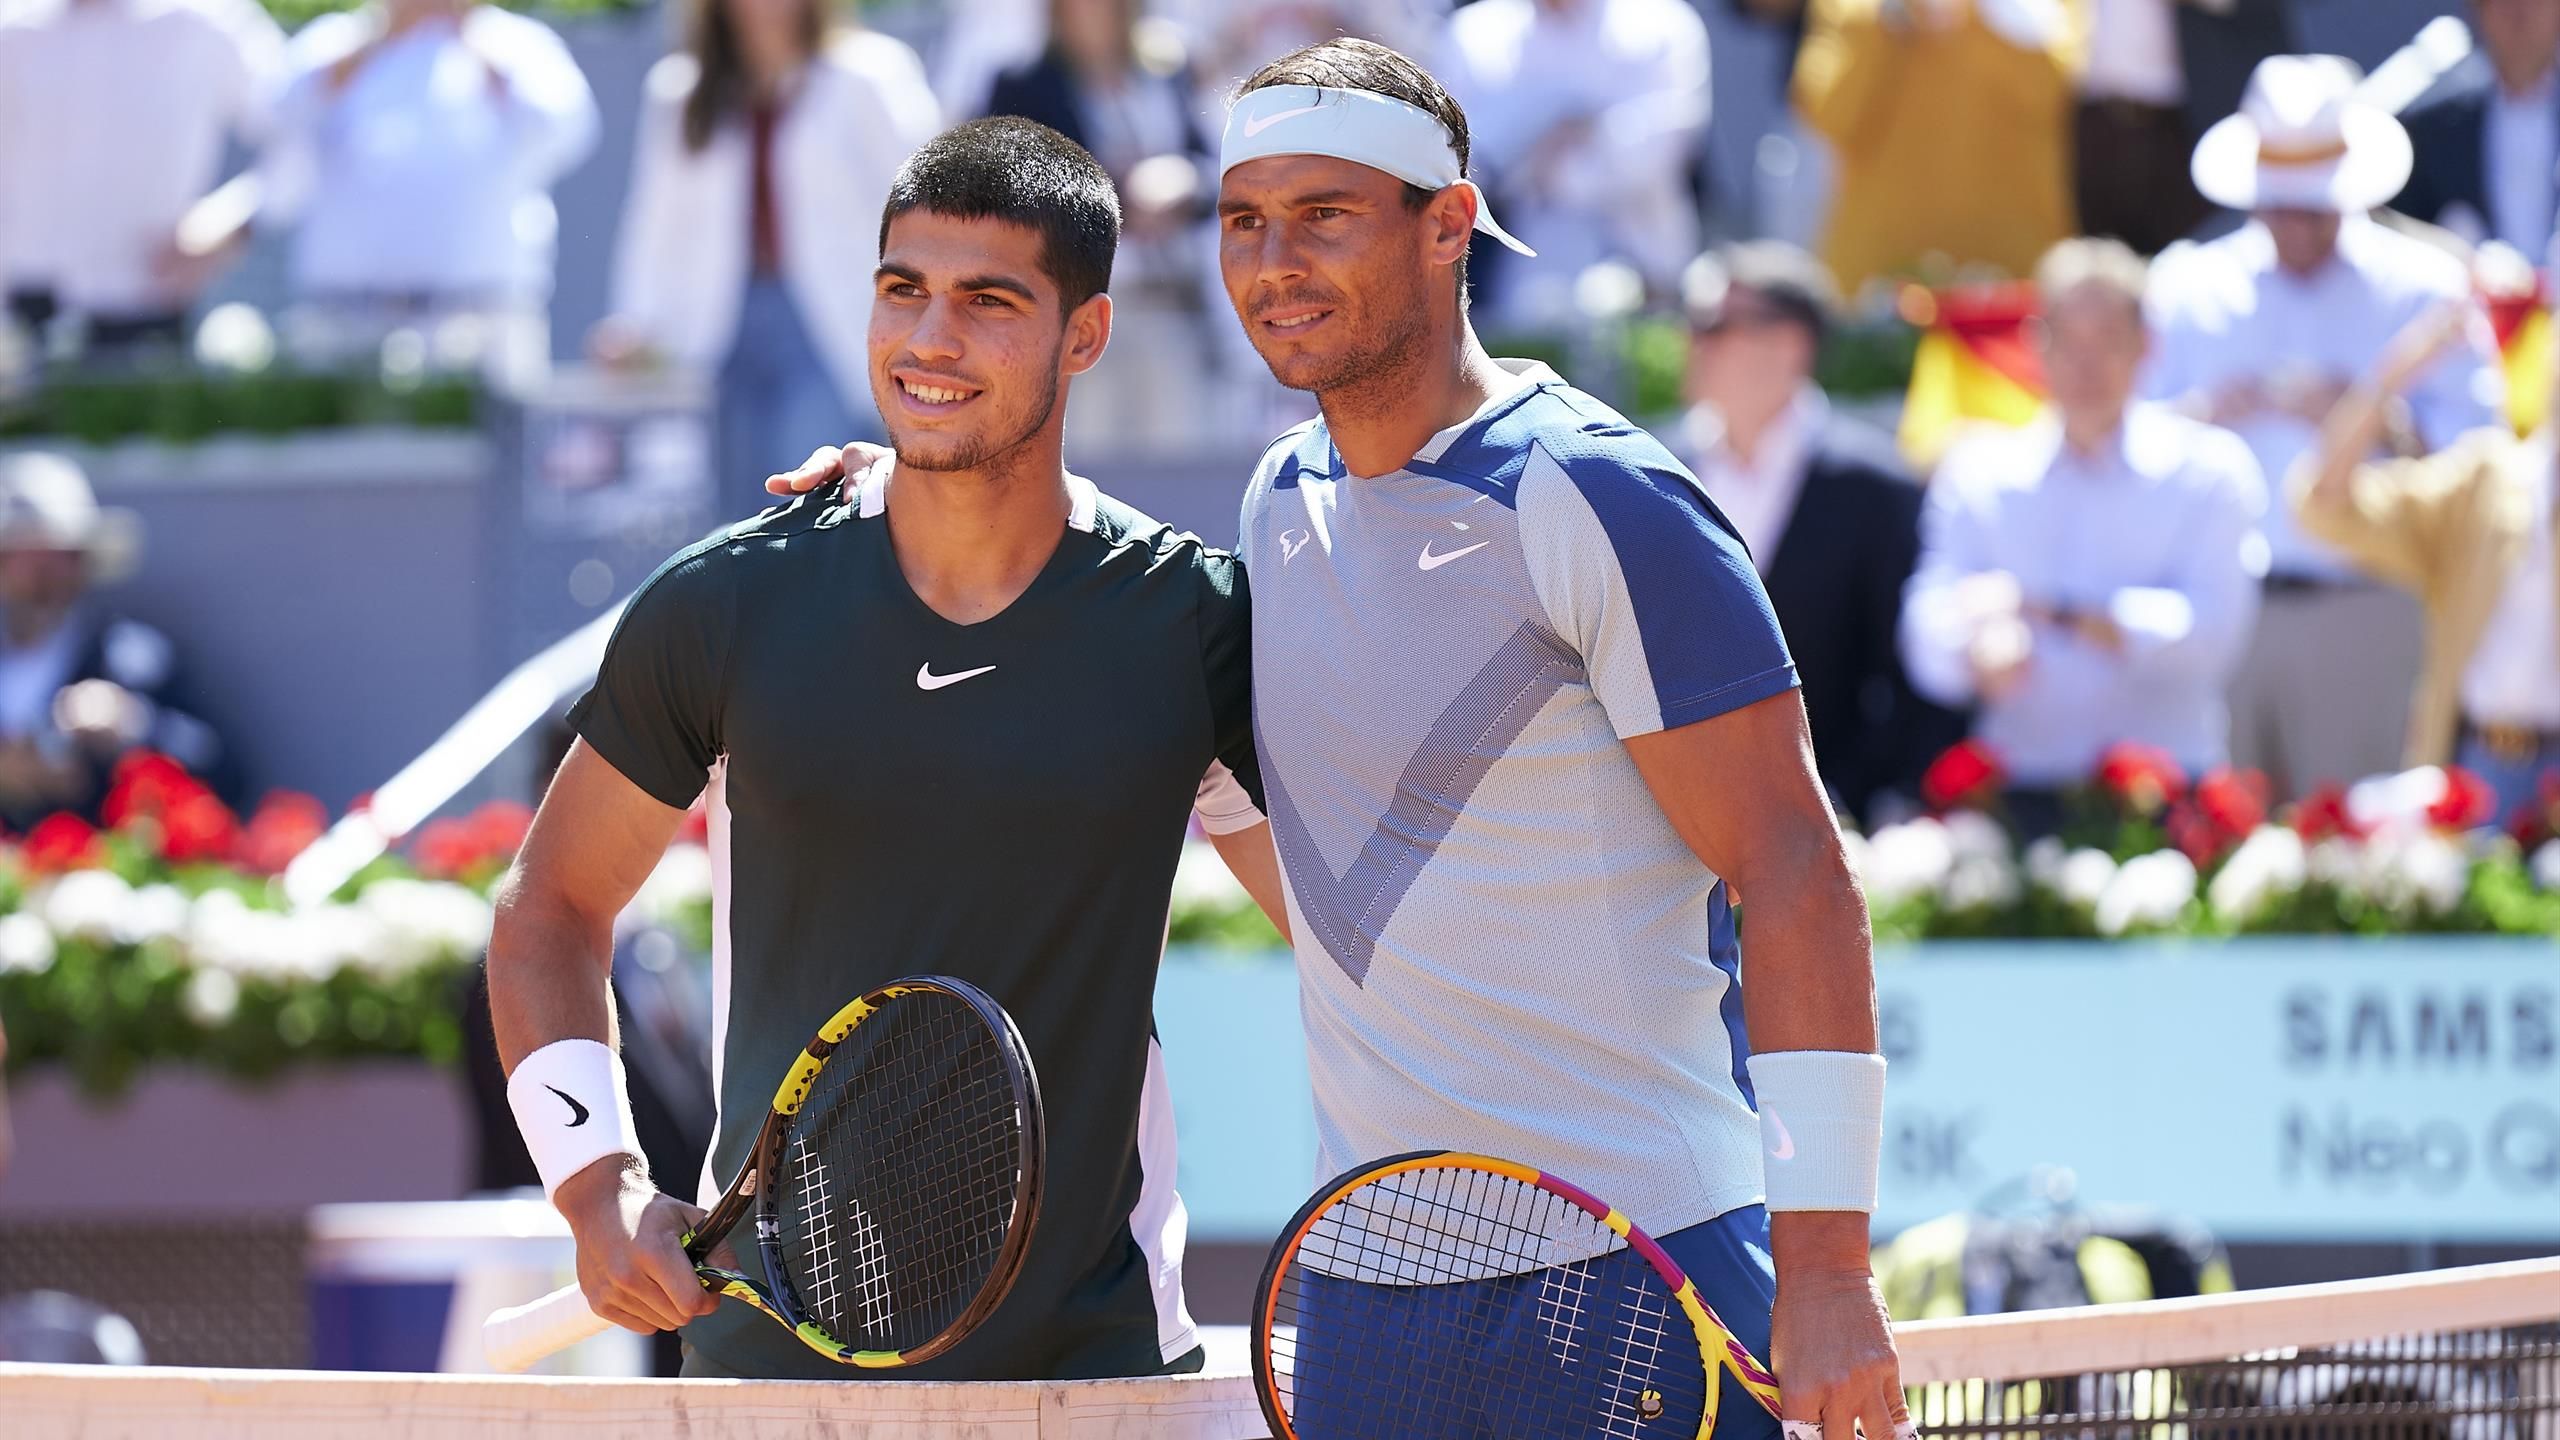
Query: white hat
point(46, 504)
point(2303, 141)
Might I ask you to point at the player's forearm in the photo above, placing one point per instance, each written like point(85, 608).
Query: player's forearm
point(550, 964)
point(1812, 970)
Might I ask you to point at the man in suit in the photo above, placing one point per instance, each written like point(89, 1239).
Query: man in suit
point(2487, 138)
point(1830, 517)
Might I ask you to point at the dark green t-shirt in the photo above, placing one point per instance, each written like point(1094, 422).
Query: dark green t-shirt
point(894, 794)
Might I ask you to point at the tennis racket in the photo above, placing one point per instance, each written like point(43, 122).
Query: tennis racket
point(893, 1184)
point(1441, 1293)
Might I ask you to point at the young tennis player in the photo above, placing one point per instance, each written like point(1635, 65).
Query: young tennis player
point(951, 721)
point(1528, 729)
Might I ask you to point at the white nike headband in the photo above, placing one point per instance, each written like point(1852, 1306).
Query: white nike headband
point(1360, 126)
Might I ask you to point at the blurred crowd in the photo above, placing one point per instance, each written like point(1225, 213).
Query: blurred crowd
point(2267, 507)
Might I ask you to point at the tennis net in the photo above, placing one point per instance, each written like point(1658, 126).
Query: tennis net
point(2467, 1354)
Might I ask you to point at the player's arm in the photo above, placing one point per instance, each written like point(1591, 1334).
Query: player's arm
point(1255, 860)
point(1741, 790)
point(595, 839)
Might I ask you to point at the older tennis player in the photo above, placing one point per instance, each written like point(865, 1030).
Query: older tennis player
point(1527, 726)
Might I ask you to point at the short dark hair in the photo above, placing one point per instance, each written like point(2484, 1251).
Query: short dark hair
point(1793, 282)
point(1349, 63)
point(1024, 173)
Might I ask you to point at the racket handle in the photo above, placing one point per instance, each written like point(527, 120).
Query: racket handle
point(520, 1336)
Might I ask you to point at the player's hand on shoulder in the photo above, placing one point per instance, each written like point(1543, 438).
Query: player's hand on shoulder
point(852, 463)
point(631, 1261)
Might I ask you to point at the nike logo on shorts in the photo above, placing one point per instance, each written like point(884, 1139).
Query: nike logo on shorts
point(927, 680)
point(1430, 561)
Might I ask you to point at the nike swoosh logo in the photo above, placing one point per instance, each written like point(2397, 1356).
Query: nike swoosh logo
point(927, 680)
point(1261, 123)
point(1430, 561)
point(574, 1107)
point(1785, 1149)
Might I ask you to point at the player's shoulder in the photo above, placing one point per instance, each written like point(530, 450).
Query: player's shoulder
point(743, 555)
point(1560, 435)
point(1203, 575)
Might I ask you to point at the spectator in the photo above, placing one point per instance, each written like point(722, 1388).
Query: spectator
point(113, 119)
point(1586, 115)
point(1823, 504)
point(2091, 578)
point(2150, 62)
point(78, 686)
point(2488, 137)
point(764, 152)
point(2469, 530)
point(1121, 89)
point(2260, 331)
point(422, 201)
point(1950, 123)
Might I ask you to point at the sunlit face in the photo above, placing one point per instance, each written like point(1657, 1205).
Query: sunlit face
point(2093, 342)
point(1329, 270)
point(2305, 239)
point(968, 349)
point(42, 579)
point(1752, 359)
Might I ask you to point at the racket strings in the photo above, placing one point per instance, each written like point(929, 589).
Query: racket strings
point(1448, 1299)
point(901, 1176)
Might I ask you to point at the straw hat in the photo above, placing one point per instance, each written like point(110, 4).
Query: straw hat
point(46, 504)
point(2303, 141)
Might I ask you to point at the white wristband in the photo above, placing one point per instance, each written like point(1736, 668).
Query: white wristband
point(573, 1107)
point(1821, 1127)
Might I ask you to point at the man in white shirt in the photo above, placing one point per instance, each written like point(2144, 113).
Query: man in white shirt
point(2470, 531)
point(419, 196)
point(1830, 517)
point(114, 115)
point(2261, 331)
point(2488, 137)
point(1587, 113)
point(2092, 577)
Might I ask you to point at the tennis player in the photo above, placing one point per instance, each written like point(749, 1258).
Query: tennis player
point(1527, 728)
point(952, 721)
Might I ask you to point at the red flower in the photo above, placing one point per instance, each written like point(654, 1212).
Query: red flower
point(1968, 774)
point(285, 825)
point(146, 783)
point(62, 842)
point(500, 828)
point(2467, 801)
point(199, 829)
point(2322, 815)
point(2235, 801)
point(2143, 778)
point(447, 849)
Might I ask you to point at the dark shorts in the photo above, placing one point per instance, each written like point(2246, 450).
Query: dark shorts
point(1728, 1257)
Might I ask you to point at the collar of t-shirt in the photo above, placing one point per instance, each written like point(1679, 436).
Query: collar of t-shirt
point(1517, 375)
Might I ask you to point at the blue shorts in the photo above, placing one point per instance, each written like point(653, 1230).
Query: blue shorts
point(1332, 1394)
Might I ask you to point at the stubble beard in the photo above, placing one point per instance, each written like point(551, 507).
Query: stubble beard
point(978, 452)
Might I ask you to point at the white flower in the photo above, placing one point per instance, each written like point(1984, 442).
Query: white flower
point(2546, 866)
point(156, 912)
point(1203, 881)
point(2338, 863)
point(211, 997)
point(2147, 890)
point(2416, 870)
point(85, 905)
point(402, 924)
point(1909, 859)
point(26, 943)
point(1976, 836)
point(2044, 858)
point(2084, 877)
point(2270, 864)
point(225, 933)
point(1982, 882)
point(682, 877)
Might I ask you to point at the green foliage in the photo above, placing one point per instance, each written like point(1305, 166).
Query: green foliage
point(294, 14)
point(186, 407)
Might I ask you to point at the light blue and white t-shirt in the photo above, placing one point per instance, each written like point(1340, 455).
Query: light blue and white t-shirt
point(1502, 944)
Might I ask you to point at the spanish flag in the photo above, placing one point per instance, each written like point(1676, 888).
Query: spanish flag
point(1974, 364)
point(2521, 320)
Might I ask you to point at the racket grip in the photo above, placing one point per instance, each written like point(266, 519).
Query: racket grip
point(521, 1336)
